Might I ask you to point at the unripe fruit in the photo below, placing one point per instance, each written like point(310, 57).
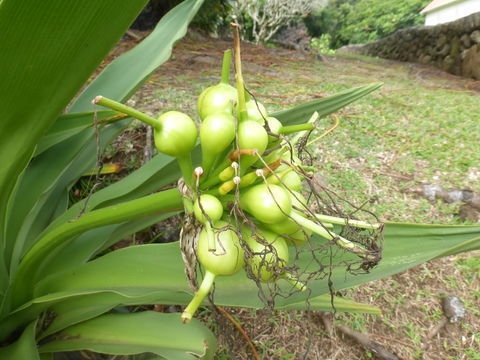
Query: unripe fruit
point(216, 99)
point(251, 135)
point(227, 261)
point(212, 207)
point(275, 125)
point(175, 134)
point(259, 202)
point(268, 259)
point(229, 257)
point(216, 133)
point(256, 111)
point(292, 181)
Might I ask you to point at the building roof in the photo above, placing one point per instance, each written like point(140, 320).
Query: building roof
point(436, 4)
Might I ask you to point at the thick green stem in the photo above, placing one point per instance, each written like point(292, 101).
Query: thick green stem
point(227, 59)
point(318, 229)
point(112, 104)
point(242, 108)
point(350, 222)
point(202, 292)
point(284, 130)
point(162, 202)
point(186, 167)
point(297, 137)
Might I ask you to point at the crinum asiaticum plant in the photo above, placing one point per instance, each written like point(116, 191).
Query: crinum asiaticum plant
point(59, 289)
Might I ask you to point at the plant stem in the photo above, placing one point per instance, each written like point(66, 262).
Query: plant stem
point(318, 229)
point(201, 293)
point(284, 130)
point(186, 167)
point(227, 59)
point(297, 137)
point(112, 104)
point(342, 221)
point(242, 108)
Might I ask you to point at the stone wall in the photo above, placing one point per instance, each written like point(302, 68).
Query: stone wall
point(453, 47)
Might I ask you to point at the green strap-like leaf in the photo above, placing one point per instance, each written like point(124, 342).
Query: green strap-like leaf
point(24, 348)
point(75, 155)
point(25, 277)
point(43, 65)
point(160, 267)
point(123, 76)
point(127, 334)
point(325, 106)
point(69, 125)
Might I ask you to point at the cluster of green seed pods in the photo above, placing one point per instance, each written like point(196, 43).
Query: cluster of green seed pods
point(249, 173)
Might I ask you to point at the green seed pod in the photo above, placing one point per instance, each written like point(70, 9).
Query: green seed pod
point(175, 134)
point(227, 260)
point(216, 99)
point(275, 125)
point(292, 181)
point(229, 257)
point(216, 133)
point(256, 111)
point(211, 207)
point(251, 135)
point(295, 233)
point(290, 227)
point(268, 209)
point(267, 262)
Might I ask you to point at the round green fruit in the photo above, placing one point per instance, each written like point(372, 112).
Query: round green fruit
point(229, 256)
point(268, 258)
point(216, 99)
point(256, 111)
point(175, 134)
point(212, 207)
point(269, 204)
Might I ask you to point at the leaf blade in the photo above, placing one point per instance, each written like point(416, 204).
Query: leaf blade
point(128, 334)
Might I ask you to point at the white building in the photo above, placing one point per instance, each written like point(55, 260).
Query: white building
point(443, 11)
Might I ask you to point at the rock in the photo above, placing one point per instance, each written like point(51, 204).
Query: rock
point(475, 36)
point(465, 39)
point(447, 46)
point(471, 62)
point(442, 40)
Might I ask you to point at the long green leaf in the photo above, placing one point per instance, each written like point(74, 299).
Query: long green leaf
point(73, 156)
point(325, 106)
point(84, 247)
point(69, 125)
point(122, 77)
point(44, 183)
point(24, 348)
point(165, 201)
point(127, 334)
point(43, 65)
point(160, 267)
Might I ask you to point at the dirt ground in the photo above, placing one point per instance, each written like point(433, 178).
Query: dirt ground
point(410, 301)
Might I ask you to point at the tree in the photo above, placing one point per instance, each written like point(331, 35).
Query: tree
point(361, 21)
point(268, 16)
